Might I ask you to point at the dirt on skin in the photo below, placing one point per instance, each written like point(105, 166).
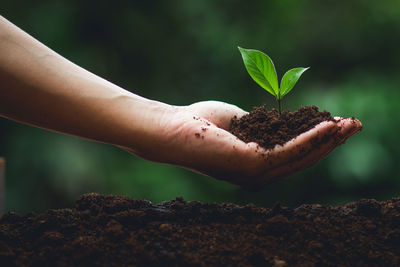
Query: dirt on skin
point(118, 231)
point(267, 128)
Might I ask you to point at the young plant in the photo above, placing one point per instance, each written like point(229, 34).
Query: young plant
point(262, 70)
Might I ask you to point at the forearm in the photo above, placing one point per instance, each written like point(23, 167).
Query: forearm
point(39, 87)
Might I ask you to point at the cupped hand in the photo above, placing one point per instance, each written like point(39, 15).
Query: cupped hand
point(196, 137)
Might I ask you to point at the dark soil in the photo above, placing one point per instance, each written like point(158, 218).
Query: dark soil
point(267, 129)
point(119, 231)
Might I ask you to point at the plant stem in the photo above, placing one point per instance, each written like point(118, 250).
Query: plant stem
point(279, 107)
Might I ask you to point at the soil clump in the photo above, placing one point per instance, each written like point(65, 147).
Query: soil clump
point(267, 128)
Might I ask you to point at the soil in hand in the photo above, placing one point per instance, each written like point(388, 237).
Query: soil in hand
point(267, 128)
point(119, 231)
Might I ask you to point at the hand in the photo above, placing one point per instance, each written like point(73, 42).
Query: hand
point(196, 137)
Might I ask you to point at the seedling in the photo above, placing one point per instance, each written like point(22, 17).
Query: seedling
point(262, 70)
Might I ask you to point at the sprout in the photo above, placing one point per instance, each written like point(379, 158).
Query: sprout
point(262, 70)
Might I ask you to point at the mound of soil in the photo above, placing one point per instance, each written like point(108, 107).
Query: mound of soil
point(267, 128)
point(119, 231)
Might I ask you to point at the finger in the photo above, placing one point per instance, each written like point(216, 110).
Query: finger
point(325, 133)
point(307, 160)
point(302, 144)
point(348, 127)
point(321, 148)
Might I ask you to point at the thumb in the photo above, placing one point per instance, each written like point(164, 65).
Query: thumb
point(219, 113)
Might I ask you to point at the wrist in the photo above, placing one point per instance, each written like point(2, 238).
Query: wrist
point(141, 122)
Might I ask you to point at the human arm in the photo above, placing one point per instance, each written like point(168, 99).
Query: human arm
point(41, 88)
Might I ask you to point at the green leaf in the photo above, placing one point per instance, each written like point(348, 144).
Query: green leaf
point(290, 79)
point(261, 69)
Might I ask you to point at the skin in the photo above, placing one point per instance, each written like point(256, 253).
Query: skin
point(41, 88)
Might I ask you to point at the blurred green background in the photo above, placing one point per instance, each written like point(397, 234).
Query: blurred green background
point(182, 52)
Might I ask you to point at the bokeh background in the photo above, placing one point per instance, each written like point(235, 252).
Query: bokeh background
point(182, 52)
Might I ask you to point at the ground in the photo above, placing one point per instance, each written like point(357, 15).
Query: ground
point(110, 230)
